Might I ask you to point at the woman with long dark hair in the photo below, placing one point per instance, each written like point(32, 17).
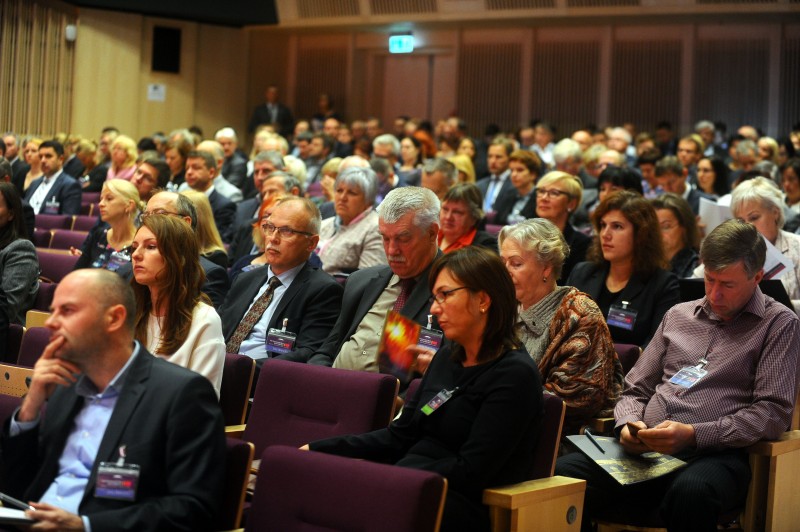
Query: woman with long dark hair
point(174, 319)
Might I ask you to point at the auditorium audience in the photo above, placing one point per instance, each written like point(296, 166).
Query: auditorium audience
point(174, 319)
point(19, 265)
point(459, 219)
point(562, 328)
point(350, 240)
point(712, 176)
point(519, 202)
point(208, 239)
point(626, 270)
point(150, 175)
point(679, 233)
point(288, 293)
point(485, 432)
point(108, 243)
point(557, 196)
point(123, 158)
point(671, 175)
point(408, 222)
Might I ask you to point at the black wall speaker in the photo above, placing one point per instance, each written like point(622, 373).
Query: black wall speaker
point(166, 50)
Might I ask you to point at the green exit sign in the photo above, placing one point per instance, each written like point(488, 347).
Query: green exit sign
point(401, 44)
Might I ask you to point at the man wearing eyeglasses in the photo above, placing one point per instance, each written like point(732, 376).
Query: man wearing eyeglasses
point(408, 221)
point(287, 308)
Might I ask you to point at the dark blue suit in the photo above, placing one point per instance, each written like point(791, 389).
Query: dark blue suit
point(66, 191)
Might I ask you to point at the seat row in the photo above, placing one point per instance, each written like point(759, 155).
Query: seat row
point(79, 222)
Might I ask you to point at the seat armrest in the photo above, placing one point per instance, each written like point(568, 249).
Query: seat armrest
point(601, 425)
point(786, 443)
point(554, 503)
point(235, 431)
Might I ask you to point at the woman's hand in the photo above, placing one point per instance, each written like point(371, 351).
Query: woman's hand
point(327, 186)
point(75, 252)
point(422, 358)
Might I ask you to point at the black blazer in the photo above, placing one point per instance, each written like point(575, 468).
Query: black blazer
point(504, 204)
point(170, 422)
point(224, 214)
point(485, 240)
point(66, 191)
point(361, 291)
point(74, 167)
point(261, 116)
point(578, 246)
point(234, 169)
point(311, 304)
point(650, 298)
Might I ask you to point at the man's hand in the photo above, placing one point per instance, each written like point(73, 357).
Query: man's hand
point(633, 444)
point(48, 373)
point(48, 517)
point(668, 437)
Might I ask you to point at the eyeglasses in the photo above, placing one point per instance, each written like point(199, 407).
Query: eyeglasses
point(442, 296)
point(285, 232)
point(551, 193)
point(162, 212)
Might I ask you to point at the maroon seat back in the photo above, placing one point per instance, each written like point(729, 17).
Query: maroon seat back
point(628, 355)
point(13, 343)
point(65, 239)
point(53, 221)
point(44, 296)
point(234, 393)
point(546, 451)
point(33, 343)
point(297, 403)
point(55, 266)
point(238, 458)
point(84, 222)
point(317, 492)
point(42, 237)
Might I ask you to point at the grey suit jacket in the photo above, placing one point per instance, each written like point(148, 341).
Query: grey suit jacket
point(19, 279)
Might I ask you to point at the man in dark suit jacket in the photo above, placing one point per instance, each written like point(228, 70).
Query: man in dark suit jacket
point(234, 169)
point(61, 193)
point(74, 166)
point(155, 421)
point(671, 176)
point(272, 112)
point(499, 179)
point(409, 224)
point(201, 169)
point(172, 203)
point(307, 301)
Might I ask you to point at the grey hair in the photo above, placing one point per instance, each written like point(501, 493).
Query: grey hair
point(704, 124)
point(185, 207)
point(272, 156)
point(289, 180)
point(733, 241)
point(227, 133)
point(567, 149)
point(540, 238)
point(746, 147)
point(403, 200)
point(361, 178)
point(387, 139)
point(622, 131)
point(440, 164)
point(762, 190)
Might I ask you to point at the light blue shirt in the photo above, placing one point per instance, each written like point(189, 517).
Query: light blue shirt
point(80, 449)
point(255, 345)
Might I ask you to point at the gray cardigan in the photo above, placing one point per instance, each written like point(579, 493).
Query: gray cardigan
point(19, 271)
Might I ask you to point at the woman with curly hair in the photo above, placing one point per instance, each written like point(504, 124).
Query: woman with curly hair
point(562, 328)
point(627, 273)
point(174, 319)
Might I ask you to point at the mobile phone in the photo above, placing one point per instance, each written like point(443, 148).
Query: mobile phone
point(633, 429)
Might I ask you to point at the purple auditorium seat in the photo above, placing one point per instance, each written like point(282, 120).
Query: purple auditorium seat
point(55, 266)
point(234, 393)
point(320, 492)
point(297, 403)
point(53, 221)
point(34, 341)
point(84, 223)
point(65, 239)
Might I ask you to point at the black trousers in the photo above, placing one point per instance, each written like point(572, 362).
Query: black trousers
point(691, 498)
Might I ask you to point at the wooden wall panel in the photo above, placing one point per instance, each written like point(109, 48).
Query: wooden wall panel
point(566, 79)
point(790, 85)
point(732, 81)
point(321, 69)
point(489, 77)
point(645, 83)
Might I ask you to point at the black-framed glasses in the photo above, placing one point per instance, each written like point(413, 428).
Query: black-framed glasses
point(441, 296)
point(551, 193)
point(285, 231)
point(145, 214)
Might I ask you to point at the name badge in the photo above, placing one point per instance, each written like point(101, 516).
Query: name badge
point(621, 316)
point(430, 339)
point(117, 259)
point(115, 481)
point(688, 376)
point(51, 207)
point(280, 342)
point(434, 404)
